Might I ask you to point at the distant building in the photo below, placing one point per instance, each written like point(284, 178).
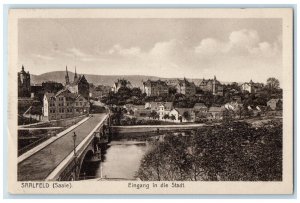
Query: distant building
point(24, 88)
point(121, 83)
point(182, 115)
point(79, 85)
point(99, 91)
point(200, 107)
point(215, 113)
point(154, 106)
point(252, 87)
point(275, 104)
point(155, 88)
point(183, 86)
point(64, 104)
point(212, 85)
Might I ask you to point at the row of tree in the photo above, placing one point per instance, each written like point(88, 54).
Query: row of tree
point(230, 152)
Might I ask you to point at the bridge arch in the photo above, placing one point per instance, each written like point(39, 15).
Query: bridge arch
point(83, 165)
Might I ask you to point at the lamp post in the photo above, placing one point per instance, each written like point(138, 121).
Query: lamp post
point(75, 156)
point(74, 141)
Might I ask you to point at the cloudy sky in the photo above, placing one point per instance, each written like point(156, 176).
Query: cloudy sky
point(232, 49)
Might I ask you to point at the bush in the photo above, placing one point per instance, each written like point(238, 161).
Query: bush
point(228, 152)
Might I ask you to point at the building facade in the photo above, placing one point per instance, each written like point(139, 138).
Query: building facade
point(179, 115)
point(64, 104)
point(155, 88)
point(275, 104)
point(121, 83)
point(183, 86)
point(24, 88)
point(212, 85)
point(252, 87)
point(79, 85)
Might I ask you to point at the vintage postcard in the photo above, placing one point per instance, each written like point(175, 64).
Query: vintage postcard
point(150, 101)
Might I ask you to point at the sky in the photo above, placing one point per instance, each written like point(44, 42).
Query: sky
point(232, 49)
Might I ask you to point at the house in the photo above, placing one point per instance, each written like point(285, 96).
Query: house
point(275, 104)
point(140, 111)
point(79, 85)
point(212, 85)
point(154, 106)
point(200, 107)
point(164, 109)
point(121, 83)
point(183, 86)
point(64, 104)
point(252, 87)
point(128, 107)
point(182, 115)
point(155, 88)
point(215, 113)
point(24, 88)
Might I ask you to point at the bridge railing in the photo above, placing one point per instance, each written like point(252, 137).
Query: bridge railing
point(55, 174)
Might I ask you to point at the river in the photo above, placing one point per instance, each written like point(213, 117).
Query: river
point(120, 160)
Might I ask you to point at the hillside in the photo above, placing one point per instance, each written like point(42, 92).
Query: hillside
point(59, 76)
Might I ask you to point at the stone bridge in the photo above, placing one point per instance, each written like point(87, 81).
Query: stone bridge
point(62, 159)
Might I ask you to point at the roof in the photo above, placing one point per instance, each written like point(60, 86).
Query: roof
point(78, 79)
point(65, 92)
point(153, 83)
point(216, 109)
point(200, 105)
point(122, 82)
point(138, 107)
point(62, 91)
point(204, 82)
point(49, 95)
point(182, 110)
point(253, 84)
point(167, 105)
point(274, 100)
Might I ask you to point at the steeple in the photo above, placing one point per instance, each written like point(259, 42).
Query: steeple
point(22, 68)
point(75, 76)
point(67, 76)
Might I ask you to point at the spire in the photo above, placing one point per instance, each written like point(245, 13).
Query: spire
point(67, 76)
point(75, 76)
point(215, 77)
point(22, 67)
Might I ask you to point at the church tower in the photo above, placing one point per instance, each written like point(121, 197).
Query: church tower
point(67, 76)
point(75, 76)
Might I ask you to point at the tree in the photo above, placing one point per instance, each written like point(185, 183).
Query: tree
point(172, 90)
point(186, 115)
point(166, 116)
point(173, 118)
point(273, 84)
point(153, 114)
point(136, 92)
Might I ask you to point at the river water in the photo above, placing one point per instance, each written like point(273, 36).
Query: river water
point(120, 160)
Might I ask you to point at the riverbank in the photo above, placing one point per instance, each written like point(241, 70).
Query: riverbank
point(155, 128)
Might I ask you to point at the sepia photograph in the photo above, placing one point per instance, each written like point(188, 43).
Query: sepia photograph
point(177, 98)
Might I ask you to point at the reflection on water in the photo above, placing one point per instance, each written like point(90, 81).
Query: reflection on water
point(120, 160)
